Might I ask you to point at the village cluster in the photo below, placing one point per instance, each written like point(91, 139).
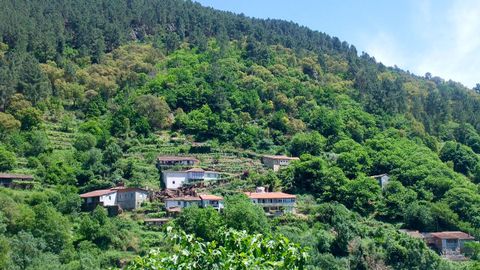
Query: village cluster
point(181, 175)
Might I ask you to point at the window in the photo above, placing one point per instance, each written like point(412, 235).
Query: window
point(179, 203)
point(109, 197)
point(173, 182)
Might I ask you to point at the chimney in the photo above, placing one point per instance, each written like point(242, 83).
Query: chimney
point(260, 190)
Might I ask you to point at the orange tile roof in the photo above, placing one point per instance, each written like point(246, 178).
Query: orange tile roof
point(211, 197)
point(97, 193)
point(269, 195)
point(452, 235)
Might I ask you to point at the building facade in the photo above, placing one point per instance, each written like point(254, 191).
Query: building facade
point(449, 242)
point(382, 179)
point(176, 179)
point(276, 162)
point(10, 180)
point(201, 201)
point(124, 198)
point(273, 203)
point(176, 161)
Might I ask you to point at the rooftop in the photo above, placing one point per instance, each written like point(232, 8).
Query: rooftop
point(196, 170)
point(176, 158)
point(101, 192)
point(16, 176)
point(184, 198)
point(191, 170)
point(452, 235)
point(379, 175)
point(281, 157)
point(211, 197)
point(269, 195)
point(97, 193)
point(414, 234)
point(127, 189)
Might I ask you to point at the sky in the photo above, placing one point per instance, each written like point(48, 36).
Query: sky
point(437, 36)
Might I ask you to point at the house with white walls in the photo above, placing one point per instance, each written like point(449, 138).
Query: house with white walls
point(123, 197)
point(177, 179)
point(203, 200)
point(274, 203)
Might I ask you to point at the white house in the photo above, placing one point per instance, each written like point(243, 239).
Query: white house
point(176, 179)
point(176, 160)
point(276, 162)
point(275, 203)
point(125, 198)
point(201, 201)
point(382, 179)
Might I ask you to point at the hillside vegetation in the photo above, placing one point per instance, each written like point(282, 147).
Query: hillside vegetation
point(92, 91)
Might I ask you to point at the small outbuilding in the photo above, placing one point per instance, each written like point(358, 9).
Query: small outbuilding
point(11, 180)
point(382, 179)
point(276, 162)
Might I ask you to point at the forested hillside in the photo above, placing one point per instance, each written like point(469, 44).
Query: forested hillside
point(92, 91)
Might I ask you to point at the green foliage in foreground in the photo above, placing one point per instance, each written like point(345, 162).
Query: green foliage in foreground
point(235, 250)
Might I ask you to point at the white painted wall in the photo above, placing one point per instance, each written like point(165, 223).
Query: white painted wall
point(109, 199)
point(174, 180)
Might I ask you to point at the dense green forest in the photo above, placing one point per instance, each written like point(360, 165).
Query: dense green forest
point(90, 92)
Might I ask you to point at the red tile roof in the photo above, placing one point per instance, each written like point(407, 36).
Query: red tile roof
point(281, 157)
point(97, 193)
point(16, 176)
point(269, 195)
point(211, 197)
point(452, 235)
point(176, 158)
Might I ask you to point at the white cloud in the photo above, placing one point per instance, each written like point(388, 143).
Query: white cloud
point(455, 54)
point(449, 42)
point(384, 47)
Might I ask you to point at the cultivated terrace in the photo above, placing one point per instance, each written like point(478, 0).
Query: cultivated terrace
point(160, 134)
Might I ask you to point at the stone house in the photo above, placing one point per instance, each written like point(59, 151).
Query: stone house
point(276, 162)
point(123, 197)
